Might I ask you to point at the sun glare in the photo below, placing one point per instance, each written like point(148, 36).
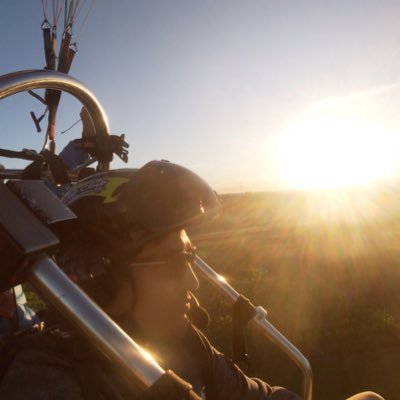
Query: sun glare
point(332, 151)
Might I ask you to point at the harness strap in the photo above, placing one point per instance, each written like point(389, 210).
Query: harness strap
point(243, 312)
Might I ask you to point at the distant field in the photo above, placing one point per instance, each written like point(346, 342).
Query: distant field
point(332, 286)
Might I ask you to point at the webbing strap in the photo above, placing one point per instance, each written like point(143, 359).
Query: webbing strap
point(243, 312)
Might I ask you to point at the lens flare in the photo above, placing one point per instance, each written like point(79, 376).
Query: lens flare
point(332, 151)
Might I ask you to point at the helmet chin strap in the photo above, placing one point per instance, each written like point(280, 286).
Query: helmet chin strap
point(197, 314)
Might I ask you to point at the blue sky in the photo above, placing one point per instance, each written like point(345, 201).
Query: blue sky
point(218, 86)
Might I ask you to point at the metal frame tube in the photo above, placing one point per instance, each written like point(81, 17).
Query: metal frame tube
point(22, 81)
point(86, 316)
point(260, 321)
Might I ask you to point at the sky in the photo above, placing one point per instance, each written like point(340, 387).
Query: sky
point(251, 94)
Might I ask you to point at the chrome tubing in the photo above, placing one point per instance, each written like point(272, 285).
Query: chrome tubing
point(86, 316)
point(270, 332)
point(21, 81)
point(260, 321)
point(10, 173)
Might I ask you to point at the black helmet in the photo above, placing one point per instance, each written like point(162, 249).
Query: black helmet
point(157, 198)
point(121, 210)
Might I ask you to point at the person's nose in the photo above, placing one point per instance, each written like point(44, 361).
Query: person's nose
point(191, 282)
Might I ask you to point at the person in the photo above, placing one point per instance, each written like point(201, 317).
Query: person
point(132, 255)
point(15, 314)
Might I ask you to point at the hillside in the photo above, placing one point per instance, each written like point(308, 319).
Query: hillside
point(365, 204)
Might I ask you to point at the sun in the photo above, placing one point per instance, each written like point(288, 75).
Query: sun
point(337, 151)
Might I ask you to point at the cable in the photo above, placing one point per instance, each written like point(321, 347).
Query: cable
point(44, 8)
point(71, 126)
point(84, 20)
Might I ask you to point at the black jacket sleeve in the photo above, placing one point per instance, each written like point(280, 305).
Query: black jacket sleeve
point(231, 383)
point(225, 380)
